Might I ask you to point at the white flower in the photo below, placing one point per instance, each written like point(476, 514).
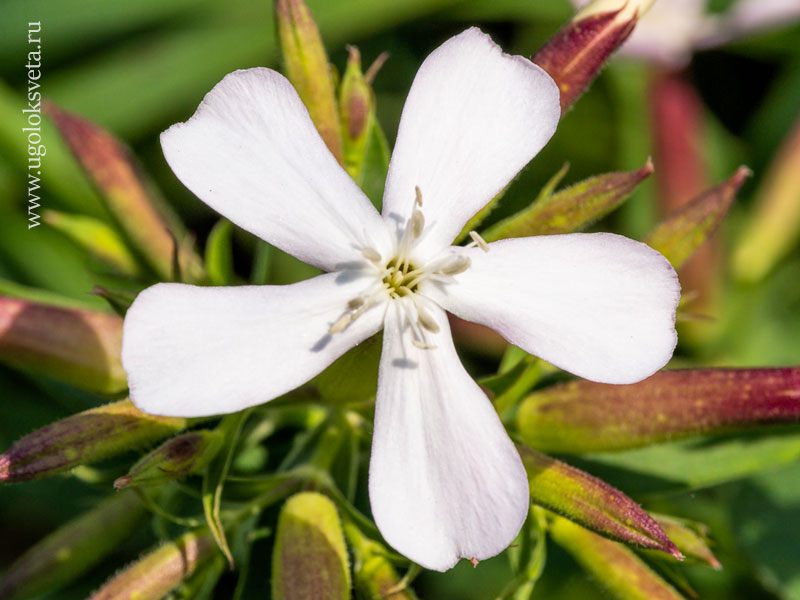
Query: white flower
point(445, 480)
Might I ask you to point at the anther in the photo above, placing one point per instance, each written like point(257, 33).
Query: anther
point(355, 303)
point(423, 345)
point(371, 254)
point(427, 321)
point(457, 265)
point(479, 240)
point(419, 195)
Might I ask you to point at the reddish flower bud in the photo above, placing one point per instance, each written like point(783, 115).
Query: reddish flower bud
point(583, 416)
point(79, 347)
point(592, 503)
point(575, 54)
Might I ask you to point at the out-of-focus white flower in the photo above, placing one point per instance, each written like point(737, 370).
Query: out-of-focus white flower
point(445, 479)
point(671, 30)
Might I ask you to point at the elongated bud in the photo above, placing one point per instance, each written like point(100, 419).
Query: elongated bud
point(310, 558)
point(775, 228)
point(153, 576)
point(83, 438)
point(583, 416)
point(74, 548)
point(612, 564)
point(592, 503)
point(357, 110)
point(690, 537)
point(573, 208)
point(97, 238)
point(681, 233)
point(373, 574)
point(79, 347)
point(308, 69)
point(182, 455)
point(575, 54)
point(129, 196)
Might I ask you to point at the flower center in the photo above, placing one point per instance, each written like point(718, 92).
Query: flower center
point(400, 279)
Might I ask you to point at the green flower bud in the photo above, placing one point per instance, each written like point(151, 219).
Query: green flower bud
point(612, 564)
point(129, 196)
point(73, 549)
point(97, 238)
point(571, 209)
point(308, 69)
point(682, 232)
point(310, 558)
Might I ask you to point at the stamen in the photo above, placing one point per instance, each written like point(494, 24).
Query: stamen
point(419, 196)
point(371, 254)
point(343, 322)
point(457, 265)
point(479, 240)
point(416, 223)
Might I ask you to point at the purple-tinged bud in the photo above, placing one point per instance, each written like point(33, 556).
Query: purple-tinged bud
point(682, 232)
point(73, 549)
point(153, 576)
point(574, 55)
point(583, 416)
point(775, 228)
point(182, 455)
point(592, 503)
point(308, 69)
point(612, 564)
point(132, 200)
point(79, 347)
point(357, 110)
point(571, 209)
point(83, 438)
point(310, 559)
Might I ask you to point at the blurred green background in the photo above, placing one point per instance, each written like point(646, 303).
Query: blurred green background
point(137, 67)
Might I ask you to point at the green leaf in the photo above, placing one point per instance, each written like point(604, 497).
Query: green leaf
point(353, 377)
point(214, 480)
point(698, 463)
point(219, 253)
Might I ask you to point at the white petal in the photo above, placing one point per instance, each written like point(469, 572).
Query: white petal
point(598, 305)
point(473, 118)
point(445, 481)
point(195, 351)
point(252, 154)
